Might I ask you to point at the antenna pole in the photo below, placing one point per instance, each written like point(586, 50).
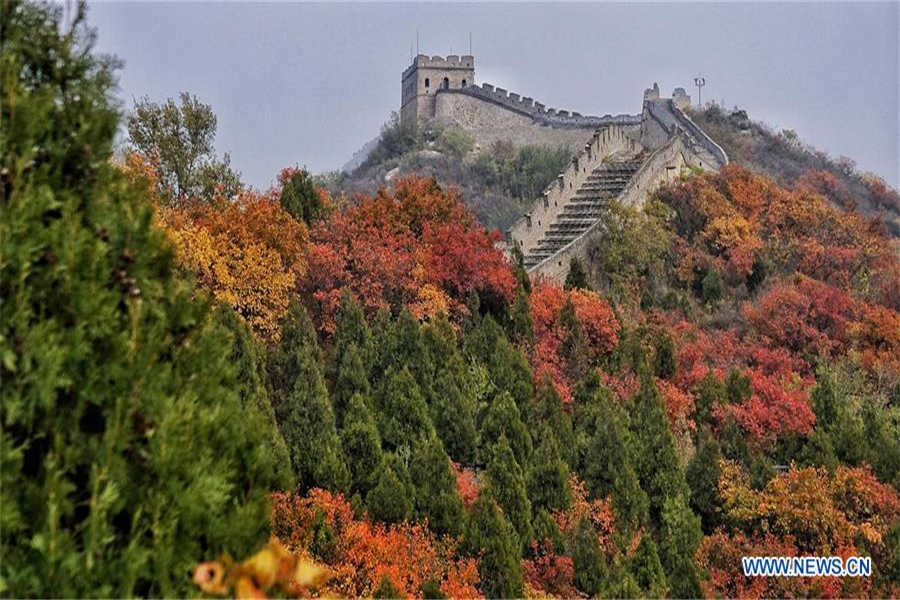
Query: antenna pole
point(470, 43)
point(417, 42)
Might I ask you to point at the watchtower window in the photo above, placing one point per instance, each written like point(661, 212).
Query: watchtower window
point(427, 82)
point(464, 83)
point(446, 83)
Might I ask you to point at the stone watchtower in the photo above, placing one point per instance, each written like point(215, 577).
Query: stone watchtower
point(425, 77)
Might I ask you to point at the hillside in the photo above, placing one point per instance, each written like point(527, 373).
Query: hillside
point(349, 390)
point(784, 157)
point(496, 182)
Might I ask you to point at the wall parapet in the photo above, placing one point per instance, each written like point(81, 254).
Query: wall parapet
point(661, 166)
point(545, 116)
point(673, 120)
point(609, 139)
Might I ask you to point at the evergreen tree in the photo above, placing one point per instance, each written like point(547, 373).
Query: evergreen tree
point(304, 412)
point(521, 325)
point(248, 358)
point(487, 344)
point(502, 418)
point(506, 484)
point(453, 415)
point(351, 329)
point(488, 534)
point(436, 497)
point(386, 589)
point(657, 466)
point(546, 410)
point(664, 357)
point(298, 344)
point(573, 348)
point(361, 445)
point(577, 277)
point(351, 380)
point(546, 529)
point(128, 452)
point(647, 570)
point(709, 394)
point(390, 501)
point(591, 570)
point(402, 413)
point(548, 478)
point(702, 475)
point(606, 459)
point(300, 197)
point(452, 403)
point(680, 535)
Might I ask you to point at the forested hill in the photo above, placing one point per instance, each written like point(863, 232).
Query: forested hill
point(209, 389)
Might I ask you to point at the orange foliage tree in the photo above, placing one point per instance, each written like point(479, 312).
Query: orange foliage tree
point(361, 553)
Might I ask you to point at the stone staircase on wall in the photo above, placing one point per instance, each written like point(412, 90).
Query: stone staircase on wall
point(582, 209)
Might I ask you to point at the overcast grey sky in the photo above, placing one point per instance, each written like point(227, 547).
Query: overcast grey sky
point(310, 83)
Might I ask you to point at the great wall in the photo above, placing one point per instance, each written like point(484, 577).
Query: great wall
point(616, 158)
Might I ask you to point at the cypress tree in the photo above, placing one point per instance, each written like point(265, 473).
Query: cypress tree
point(548, 478)
point(591, 570)
point(451, 402)
point(453, 415)
point(646, 568)
point(506, 484)
point(502, 418)
point(680, 535)
point(546, 411)
point(401, 411)
point(577, 277)
point(521, 325)
point(351, 380)
point(390, 500)
point(128, 452)
point(304, 414)
point(606, 459)
point(490, 536)
point(573, 348)
point(664, 357)
point(702, 475)
point(709, 394)
point(361, 445)
point(351, 329)
point(657, 466)
point(436, 497)
point(486, 343)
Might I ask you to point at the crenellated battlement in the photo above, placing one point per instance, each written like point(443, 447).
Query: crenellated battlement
point(539, 112)
point(451, 61)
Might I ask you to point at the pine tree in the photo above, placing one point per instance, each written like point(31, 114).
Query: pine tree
point(680, 535)
point(606, 452)
point(506, 484)
point(390, 501)
point(305, 414)
point(502, 418)
point(573, 348)
point(548, 478)
point(453, 415)
point(647, 570)
point(128, 452)
point(351, 380)
point(657, 466)
point(401, 411)
point(489, 535)
point(436, 497)
point(577, 277)
point(591, 570)
point(300, 197)
point(702, 475)
point(486, 344)
point(361, 445)
point(351, 329)
point(709, 394)
point(546, 410)
point(664, 357)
